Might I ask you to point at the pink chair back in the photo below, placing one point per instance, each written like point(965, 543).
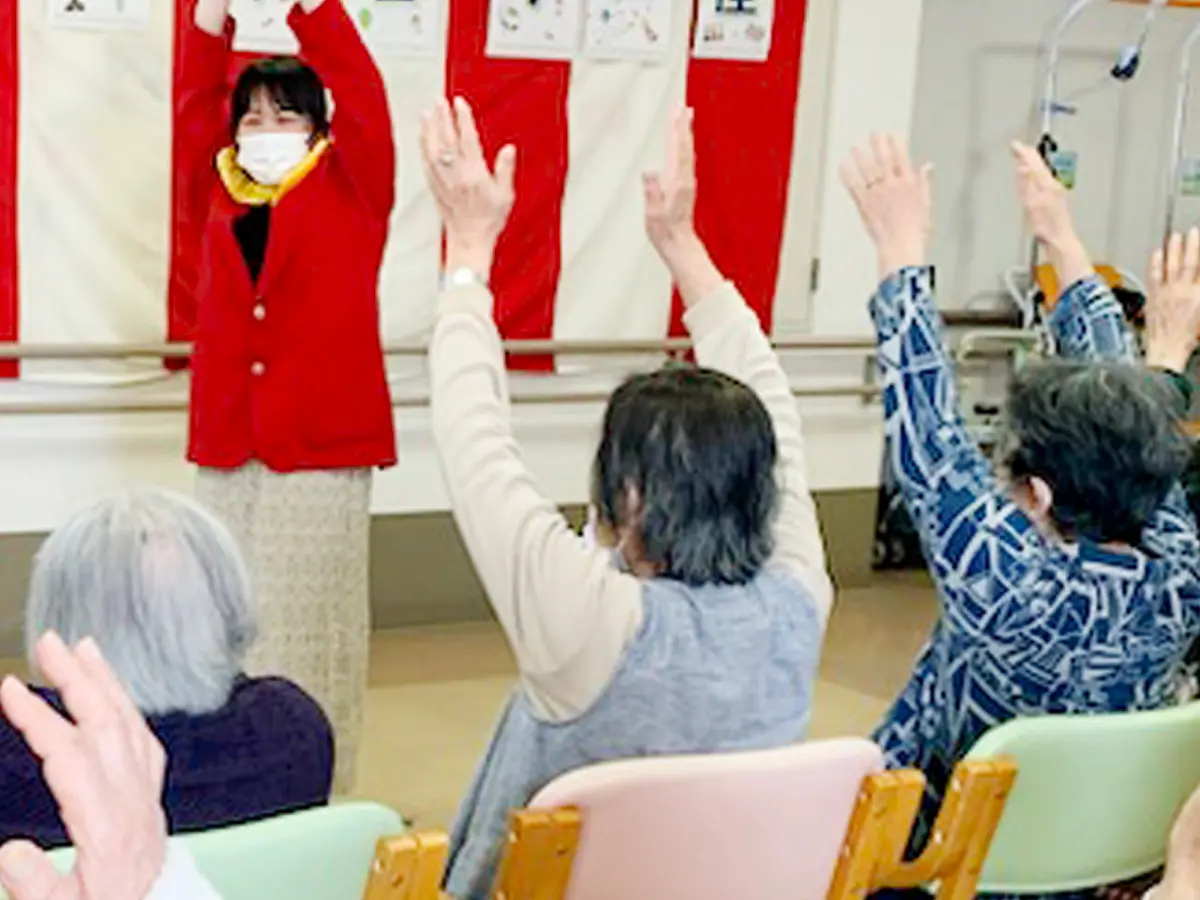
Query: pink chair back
point(763, 824)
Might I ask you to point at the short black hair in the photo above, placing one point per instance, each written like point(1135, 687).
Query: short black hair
point(1104, 436)
point(699, 448)
point(291, 85)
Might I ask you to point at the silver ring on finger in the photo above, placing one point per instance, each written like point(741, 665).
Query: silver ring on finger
point(447, 158)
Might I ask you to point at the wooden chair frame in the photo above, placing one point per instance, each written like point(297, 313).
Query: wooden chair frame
point(542, 843)
point(873, 856)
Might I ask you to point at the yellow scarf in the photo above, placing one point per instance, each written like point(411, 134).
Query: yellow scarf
point(245, 190)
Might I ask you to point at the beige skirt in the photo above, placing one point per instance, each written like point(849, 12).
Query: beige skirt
point(306, 540)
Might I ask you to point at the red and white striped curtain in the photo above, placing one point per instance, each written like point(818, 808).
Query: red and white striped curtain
point(90, 249)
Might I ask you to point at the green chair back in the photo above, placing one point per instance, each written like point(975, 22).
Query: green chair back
point(317, 854)
point(1094, 800)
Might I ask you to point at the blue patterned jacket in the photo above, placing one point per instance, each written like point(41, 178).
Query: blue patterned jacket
point(1028, 625)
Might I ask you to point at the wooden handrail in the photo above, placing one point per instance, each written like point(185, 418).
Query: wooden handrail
point(13, 350)
point(113, 405)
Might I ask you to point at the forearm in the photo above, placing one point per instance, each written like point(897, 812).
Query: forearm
point(181, 879)
point(566, 612)
point(1069, 259)
point(210, 16)
point(728, 338)
point(925, 428)
point(691, 267)
point(362, 124)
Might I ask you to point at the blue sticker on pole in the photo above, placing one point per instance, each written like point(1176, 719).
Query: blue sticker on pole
point(1189, 178)
point(1065, 164)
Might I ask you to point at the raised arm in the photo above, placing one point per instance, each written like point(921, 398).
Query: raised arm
point(728, 338)
point(105, 769)
point(567, 613)
point(976, 539)
point(202, 129)
point(1172, 330)
point(1087, 321)
point(362, 123)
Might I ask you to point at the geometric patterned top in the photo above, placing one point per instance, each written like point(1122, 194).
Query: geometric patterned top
point(1028, 626)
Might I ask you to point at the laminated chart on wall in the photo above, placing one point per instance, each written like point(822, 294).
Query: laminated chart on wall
point(734, 29)
point(97, 15)
point(262, 27)
point(534, 29)
point(411, 28)
point(628, 30)
point(391, 28)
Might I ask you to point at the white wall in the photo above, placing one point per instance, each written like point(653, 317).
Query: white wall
point(872, 89)
point(860, 71)
point(976, 89)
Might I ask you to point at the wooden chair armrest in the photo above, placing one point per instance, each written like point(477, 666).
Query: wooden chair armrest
point(541, 850)
point(409, 867)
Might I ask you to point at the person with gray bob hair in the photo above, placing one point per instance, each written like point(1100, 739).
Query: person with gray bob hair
point(160, 585)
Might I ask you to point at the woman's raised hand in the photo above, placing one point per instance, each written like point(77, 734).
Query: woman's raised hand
point(1173, 307)
point(105, 770)
point(894, 200)
point(670, 197)
point(474, 201)
point(671, 193)
point(1043, 198)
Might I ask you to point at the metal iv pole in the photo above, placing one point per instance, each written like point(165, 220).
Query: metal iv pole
point(1182, 98)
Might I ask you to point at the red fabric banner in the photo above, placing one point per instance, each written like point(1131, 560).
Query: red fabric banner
point(521, 102)
point(9, 65)
point(745, 129)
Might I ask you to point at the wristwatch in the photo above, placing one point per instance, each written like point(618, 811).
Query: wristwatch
point(462, 277)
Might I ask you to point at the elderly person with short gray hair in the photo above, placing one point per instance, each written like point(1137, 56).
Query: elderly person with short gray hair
point(160, 585)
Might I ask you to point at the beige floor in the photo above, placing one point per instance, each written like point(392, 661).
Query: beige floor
point(435, 692)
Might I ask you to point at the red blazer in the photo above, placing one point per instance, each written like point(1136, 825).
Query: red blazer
point(291, 372)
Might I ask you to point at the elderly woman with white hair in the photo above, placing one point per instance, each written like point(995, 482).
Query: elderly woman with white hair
point(160, 585)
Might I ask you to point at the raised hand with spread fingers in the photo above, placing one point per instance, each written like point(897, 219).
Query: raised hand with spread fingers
point(670, 198)
point(473, 199)
point(894, 199)
point(1173, 308)
point(1048, 211)
point(106, 771)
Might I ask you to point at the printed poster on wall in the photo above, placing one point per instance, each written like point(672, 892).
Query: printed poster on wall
point(262, 27)
point(628, 30)
point(734, 29)
point(98, 15)
point(534, 29)
point(409, 28)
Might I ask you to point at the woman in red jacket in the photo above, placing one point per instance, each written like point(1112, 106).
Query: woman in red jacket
point(290, 410)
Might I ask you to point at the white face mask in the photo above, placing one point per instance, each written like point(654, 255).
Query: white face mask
point(268, 157)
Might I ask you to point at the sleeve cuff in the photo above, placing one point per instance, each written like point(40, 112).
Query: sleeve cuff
point(180, 878)
point(916, 281)
point(473, 300)
point(1081, 293)
point(715, 311)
